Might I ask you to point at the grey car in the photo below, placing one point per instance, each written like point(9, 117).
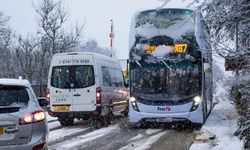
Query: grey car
point(23, 123)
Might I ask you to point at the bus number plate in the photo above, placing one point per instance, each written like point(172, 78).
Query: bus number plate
point(164, 120)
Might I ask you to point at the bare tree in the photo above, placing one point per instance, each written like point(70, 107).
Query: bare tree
point(3, 23)
point(52, 18)
point(5, 47)
point(6, 54)
point(25, 57)
point(52, 36)
point(92, 46)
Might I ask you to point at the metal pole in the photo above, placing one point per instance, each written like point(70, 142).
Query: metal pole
point(111, 35)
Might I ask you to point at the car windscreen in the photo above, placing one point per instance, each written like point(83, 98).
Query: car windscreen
point(77, 76)
point(13, 96)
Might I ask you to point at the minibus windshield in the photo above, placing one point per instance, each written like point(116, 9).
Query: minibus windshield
point(79, 76)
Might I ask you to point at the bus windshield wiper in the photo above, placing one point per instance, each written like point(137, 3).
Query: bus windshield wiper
point(137, 62)
point(171, 70)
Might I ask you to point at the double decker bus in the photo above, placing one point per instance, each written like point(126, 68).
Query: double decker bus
point(170, 67)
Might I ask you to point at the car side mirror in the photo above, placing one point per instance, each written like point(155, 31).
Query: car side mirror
point(43, 102)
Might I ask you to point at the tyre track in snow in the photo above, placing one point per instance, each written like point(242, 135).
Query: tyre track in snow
point(90, 136)
point(141, 139)
point(119, 136)
point(118, 139)
point(179, 140)
point(87, 138)
point(59, 134)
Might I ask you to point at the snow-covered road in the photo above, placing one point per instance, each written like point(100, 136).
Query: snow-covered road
point(117, 136)
point(216, 134)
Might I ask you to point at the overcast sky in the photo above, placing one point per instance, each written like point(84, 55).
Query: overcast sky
point(95, 13)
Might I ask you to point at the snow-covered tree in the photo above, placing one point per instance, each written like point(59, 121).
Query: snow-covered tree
point(6, 66)
point(52, 19)
point(92, 46)
point(228, 21)
point(26, 64)
point(229, 24)
point(3, 23)
point(53, 36)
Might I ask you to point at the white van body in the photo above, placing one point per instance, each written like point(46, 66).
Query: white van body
point(84, 84)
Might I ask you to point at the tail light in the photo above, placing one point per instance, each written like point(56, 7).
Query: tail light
point(48, 96)
point(51, 113)
point(34, 117)
point(98, 95)
point(38, 147)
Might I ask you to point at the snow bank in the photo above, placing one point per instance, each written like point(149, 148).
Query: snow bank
point(218, 131)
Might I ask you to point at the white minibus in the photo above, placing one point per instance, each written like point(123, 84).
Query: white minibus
point(85, 85)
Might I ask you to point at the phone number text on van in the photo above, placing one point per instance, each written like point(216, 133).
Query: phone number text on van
point(75, 61)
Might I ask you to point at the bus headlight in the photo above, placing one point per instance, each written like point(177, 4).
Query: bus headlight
point(196, 102)
point(132, 99)
point(133, 103)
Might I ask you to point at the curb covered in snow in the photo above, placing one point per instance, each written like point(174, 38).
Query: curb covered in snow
point(218, 131)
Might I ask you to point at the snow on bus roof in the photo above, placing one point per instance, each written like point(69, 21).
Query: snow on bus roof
point(148, 31)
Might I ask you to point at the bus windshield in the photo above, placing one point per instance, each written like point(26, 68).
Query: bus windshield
point(178, 80)
point(165, 60)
